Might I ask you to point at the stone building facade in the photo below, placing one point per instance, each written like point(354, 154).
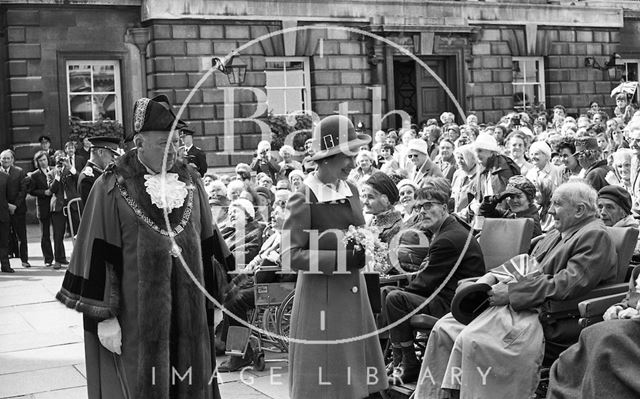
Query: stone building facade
point(95, 57)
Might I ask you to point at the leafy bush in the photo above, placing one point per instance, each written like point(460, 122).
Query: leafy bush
point(283, 125)
point(79, 129)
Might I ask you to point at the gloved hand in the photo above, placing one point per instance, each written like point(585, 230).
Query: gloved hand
point(612, 312)
point(110, 335)
point(488, 205)
point(356, 257)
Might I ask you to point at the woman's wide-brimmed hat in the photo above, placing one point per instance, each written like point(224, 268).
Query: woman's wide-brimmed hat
point(335, 134)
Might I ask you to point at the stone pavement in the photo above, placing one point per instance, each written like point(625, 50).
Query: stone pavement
point(41, 341)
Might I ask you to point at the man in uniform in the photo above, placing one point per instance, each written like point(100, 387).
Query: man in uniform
point(103, 151)
point(194, 155)
point(138, 277)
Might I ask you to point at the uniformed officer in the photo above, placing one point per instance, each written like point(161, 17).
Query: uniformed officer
point(103, 151)
point(193, 155)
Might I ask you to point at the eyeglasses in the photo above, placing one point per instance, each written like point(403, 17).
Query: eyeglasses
point(427, 205)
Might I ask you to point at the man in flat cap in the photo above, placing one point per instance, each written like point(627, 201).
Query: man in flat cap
point(614, 207)
point(103, 151)
point(133, 274)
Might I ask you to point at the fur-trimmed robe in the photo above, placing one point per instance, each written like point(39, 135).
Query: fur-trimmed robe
point(122, 266)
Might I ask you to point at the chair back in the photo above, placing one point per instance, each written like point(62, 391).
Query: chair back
point(502, 239)
point(624, 239)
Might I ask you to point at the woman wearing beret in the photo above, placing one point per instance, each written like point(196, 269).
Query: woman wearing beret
point(331, 303)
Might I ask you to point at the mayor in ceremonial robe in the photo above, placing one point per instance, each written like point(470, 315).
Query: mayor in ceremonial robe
point(147, 325)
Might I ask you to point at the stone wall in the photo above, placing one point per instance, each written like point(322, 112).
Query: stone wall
point(568, 81)
point(37, 40)
point(179, 56)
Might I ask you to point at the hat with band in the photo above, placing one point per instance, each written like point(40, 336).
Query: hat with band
point(336, 134)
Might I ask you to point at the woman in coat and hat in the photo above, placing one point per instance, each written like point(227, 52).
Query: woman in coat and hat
point(334, 351)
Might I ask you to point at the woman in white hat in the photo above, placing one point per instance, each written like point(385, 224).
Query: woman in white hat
point(331, 302)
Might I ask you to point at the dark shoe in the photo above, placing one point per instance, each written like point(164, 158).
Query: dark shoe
point(57, 266)
point(64, 262)
point(234, 363)
point(404, 374)
point(7, 269)
point(26, 265)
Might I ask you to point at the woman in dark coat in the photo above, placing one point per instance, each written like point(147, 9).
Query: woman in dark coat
point(331, 303)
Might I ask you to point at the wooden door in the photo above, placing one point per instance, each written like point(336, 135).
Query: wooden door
point(432, 100)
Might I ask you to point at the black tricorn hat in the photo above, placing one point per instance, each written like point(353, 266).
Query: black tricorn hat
point(469, 301)
point(153, 114)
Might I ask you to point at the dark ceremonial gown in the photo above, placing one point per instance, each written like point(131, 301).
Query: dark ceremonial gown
point(122, 266)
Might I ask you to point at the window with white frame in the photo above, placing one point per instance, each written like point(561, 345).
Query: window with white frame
point(93, 90)
point(528, 82)
point(629, 68)
point(288, 84)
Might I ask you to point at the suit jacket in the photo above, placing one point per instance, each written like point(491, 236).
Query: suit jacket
point(37, 185)
point(427, 169)
point(501, 169)
point(199, 158)
point(17, 189)
point(63, 189)
point(446, 248)
point(596, 175)
point(4, 205)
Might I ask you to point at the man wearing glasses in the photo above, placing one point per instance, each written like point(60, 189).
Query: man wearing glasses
point(589, 155)
point(418, 154)
point(448, 238)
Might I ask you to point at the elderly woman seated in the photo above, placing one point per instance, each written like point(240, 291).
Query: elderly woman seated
point(519, 194)
point(241, 297)
point(604, 362)
point(379, 195)
point(241, 231)
point(365, 161)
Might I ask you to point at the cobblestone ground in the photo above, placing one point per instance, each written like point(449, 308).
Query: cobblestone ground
point(41, 341)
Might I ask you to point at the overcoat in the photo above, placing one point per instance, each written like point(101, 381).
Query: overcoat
point(328, 306)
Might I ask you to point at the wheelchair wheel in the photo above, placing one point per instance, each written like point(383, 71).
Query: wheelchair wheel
point(283, 316)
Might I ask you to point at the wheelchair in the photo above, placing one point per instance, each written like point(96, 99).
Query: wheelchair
point(273, 302)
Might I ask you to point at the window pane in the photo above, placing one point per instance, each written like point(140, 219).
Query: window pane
point(275, 78)
point(275, 101)
point(295, 78)
point(79, 78)
point(103, 78)
point(293, 100)
point(80, 107)
point(105, 106)
point(518, 73)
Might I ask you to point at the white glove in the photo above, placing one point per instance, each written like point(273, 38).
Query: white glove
point(110, 335)
point(628, 313)
point(612, 312)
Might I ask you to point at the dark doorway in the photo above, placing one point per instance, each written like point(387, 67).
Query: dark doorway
point(418, 93)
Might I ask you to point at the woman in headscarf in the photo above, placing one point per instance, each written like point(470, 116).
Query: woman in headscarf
point(379, 195)
point(463, 185)
point(520, 194)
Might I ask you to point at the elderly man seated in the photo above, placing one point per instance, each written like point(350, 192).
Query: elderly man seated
point(573, 259)
point(448, 251)
point(614, 206)
point(603, 364)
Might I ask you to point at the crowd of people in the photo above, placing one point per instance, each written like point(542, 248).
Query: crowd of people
point(423, 189)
